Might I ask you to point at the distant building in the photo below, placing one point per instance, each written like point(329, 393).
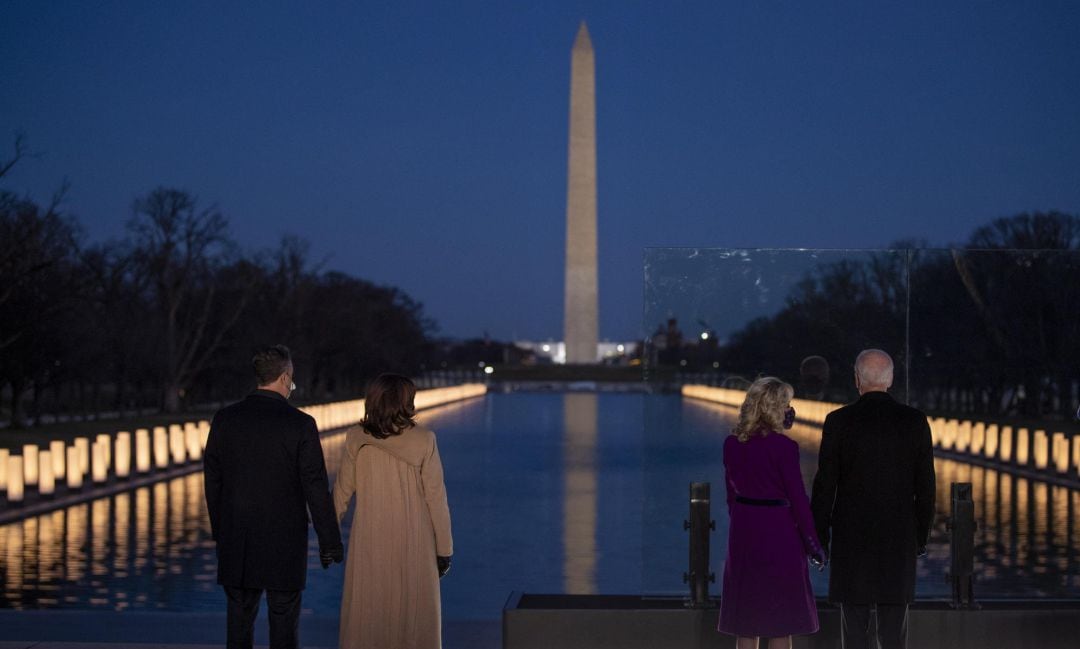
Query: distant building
point(553, 351)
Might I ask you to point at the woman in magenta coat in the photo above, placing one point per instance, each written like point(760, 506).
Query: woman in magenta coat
point(766, 590)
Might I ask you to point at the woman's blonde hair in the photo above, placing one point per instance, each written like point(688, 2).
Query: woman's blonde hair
point(763, 409)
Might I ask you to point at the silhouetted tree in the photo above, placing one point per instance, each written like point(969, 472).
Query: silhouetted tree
point(180, 252)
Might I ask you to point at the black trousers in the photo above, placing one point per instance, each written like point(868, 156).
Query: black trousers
point(891, 626)
point(284, 613)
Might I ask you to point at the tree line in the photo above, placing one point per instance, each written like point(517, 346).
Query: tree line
point(991, 327)
point(168, 315)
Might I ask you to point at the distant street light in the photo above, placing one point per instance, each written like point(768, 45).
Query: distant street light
point(704, 335)
point(489, 370)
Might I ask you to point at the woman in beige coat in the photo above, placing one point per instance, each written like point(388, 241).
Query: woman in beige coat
point(400, 544)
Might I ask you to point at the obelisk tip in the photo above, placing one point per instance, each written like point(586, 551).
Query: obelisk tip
point(582, 41)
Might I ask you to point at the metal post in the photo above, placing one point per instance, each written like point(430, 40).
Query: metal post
point(961, 526)
point(700, 524)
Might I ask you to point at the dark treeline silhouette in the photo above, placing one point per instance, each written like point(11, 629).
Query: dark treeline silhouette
point(989, 328)
point(168, 316)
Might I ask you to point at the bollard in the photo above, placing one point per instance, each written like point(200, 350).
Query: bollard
point(961, 526)
point(699, 526)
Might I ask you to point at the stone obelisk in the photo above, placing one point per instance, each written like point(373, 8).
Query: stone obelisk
point(580, 315)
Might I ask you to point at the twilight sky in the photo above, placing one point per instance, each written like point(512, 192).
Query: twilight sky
point(423, 145)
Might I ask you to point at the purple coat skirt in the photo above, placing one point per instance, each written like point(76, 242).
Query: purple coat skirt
point(766, 583)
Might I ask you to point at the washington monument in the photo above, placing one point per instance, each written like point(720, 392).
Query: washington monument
point(580, 315)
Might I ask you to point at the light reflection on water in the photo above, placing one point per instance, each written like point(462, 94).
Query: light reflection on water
point(549, 492)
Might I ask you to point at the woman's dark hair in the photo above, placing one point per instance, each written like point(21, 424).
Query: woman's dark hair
point(270, 363)
point(389, 405)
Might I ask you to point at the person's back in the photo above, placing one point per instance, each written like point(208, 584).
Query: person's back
point(400, 541)
point(873, 504)
point(264, 471)
point(262, 441)
point(879, 449)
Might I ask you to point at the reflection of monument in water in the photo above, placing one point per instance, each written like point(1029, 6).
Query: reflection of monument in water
point(581, 312)
point(579, 497)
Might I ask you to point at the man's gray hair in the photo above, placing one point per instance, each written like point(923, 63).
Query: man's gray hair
point(874, 368)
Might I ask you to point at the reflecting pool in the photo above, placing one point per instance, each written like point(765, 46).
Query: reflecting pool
point(576, 493)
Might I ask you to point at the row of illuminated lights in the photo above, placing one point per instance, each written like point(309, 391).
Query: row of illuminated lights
point(112, 455)
point(1038, 449)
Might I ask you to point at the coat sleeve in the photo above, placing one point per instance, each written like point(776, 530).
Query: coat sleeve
point(796, 495)
point(212, 477)
point(431, 474)
point(316, 488)
point(824, 493)
point(345, 483)
point(925, 484)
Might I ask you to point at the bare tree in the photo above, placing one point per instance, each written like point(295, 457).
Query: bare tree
point(19, 154)
point(180, 251)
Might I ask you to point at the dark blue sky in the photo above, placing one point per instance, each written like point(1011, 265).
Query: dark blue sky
point(424, 144)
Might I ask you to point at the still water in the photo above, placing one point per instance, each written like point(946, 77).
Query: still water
point(575, 493)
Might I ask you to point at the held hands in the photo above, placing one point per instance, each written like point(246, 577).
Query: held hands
point(443, 565)
point(333, 555)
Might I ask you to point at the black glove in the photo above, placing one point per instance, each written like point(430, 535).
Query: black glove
point(333, 555)
point(818, 557)
point(443, 564)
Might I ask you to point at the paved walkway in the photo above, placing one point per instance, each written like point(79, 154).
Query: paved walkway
point(45, 629)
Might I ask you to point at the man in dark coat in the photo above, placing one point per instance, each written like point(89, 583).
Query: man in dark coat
point(264, 472)
point(873, 504)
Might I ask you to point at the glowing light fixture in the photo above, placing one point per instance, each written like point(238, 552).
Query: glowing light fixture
point(46, 478)
point(105, 440)
point(176, 444)
point(30, 464)
point(161, 447)
point(191, 441)
point(99, 472)
point(204, 433)
point(142, 450)
point(59, 454)
point(74, 476)
point(123, 454)
point(15, 479)
point(82, 445)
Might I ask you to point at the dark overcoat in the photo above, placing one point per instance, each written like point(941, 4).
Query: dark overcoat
point(873, 498)
point(264, 471)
